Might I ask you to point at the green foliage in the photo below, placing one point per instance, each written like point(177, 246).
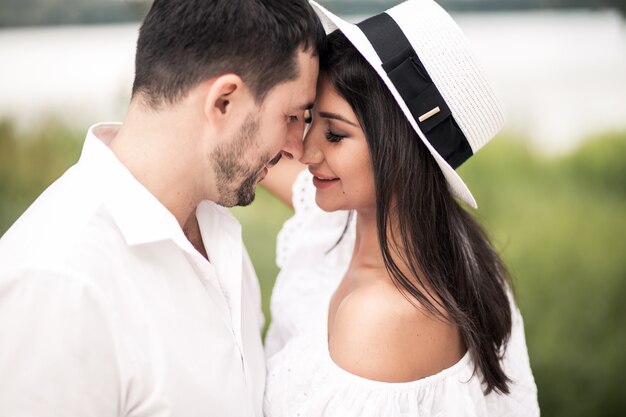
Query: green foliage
point(30, 162)
point(559, 224)
point(261, 222)
point(599, 165)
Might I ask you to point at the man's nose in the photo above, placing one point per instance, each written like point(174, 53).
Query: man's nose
point(293, 146)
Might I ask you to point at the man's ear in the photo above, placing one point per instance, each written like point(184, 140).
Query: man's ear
point(226, 97)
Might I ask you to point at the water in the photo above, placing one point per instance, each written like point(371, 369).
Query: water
point(81, 74)
point(560, 75)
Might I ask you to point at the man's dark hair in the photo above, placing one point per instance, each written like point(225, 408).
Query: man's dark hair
point(184, 42)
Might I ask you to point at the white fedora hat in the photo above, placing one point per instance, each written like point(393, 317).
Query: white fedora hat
point(425, 60)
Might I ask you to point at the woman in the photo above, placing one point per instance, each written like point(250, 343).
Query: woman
point(391, 300)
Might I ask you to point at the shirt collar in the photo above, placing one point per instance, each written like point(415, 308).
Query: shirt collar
point(140, 217)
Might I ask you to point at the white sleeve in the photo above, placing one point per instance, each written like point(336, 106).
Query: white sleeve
point(303, 201)
point(59, 354)
point(311, 230)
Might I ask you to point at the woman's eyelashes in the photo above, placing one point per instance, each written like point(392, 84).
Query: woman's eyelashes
point(329, 134)
point(334, 137)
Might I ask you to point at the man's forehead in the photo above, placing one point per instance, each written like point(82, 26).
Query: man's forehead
point(308, 67)
point(307, 106)
point(309, 90)
point(299, 93)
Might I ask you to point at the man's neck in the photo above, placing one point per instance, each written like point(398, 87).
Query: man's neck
point(162, 158)
point(193, 234)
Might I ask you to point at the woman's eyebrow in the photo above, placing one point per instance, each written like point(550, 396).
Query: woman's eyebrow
point(328, 115)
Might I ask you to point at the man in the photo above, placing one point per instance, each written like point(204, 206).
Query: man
point(125, 289)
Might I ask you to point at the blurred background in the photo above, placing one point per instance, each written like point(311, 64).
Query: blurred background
point(551, 188)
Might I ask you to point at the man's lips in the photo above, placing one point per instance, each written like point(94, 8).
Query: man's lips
point(263, 172)
point(261, 176)
point(275, 160)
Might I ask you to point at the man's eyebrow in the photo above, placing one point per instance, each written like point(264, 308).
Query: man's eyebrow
point(327, 115)
point(307, 106)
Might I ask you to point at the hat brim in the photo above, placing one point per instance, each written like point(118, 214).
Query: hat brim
point(354, 34)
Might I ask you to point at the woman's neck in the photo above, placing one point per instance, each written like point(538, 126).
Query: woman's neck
point(367, 252)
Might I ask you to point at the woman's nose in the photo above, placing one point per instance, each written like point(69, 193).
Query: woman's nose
point(311, 152)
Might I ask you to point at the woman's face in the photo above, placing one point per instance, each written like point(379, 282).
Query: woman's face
point(335, 149)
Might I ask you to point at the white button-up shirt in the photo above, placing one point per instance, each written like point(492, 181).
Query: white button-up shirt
point(106, 309)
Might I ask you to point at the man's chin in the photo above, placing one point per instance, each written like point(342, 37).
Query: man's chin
point(243, 195)
point(247, 201)
point(238, 200)
point(246, 193)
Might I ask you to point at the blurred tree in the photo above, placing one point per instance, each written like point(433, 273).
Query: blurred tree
point(58, 12)
point(618, 4)
point(139, 8)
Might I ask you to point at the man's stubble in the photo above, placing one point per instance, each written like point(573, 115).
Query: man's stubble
point(236, 178)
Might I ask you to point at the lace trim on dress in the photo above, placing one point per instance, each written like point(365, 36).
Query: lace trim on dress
point(303, 201)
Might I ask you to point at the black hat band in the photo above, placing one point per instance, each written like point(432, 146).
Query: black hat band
point(419, 92)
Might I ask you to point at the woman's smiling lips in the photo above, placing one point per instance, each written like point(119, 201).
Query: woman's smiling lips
point(323, 181)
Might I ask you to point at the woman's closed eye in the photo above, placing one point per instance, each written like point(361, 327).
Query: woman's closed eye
point(334, 137)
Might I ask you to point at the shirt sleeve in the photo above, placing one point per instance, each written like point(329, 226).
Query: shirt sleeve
point(59, 353)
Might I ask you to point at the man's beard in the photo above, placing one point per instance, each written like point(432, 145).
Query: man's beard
point(235, 180)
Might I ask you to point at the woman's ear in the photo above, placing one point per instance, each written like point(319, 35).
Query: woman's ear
point(226, 97)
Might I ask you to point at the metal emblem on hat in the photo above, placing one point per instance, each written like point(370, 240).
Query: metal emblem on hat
point(427, 115)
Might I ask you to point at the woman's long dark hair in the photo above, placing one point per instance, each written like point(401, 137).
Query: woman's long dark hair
point(450, 259)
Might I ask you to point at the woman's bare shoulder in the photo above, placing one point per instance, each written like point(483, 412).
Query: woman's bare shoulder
point(379, 335)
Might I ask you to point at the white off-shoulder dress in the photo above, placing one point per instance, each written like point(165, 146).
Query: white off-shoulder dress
point(302, 379)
